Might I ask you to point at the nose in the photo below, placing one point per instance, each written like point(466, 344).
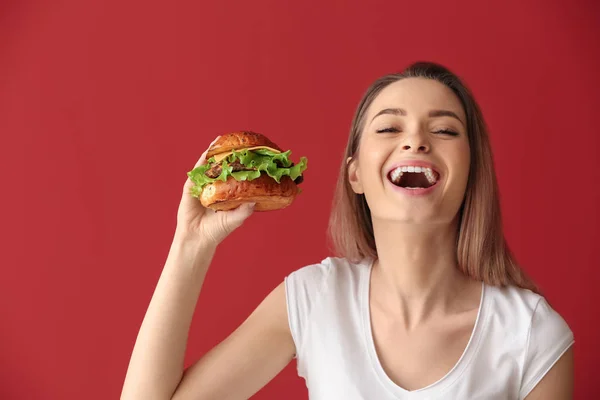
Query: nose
point(417, 143)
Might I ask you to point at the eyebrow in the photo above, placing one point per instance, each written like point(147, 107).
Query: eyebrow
point(392, 111)
point(432, 114)
point(444, 113)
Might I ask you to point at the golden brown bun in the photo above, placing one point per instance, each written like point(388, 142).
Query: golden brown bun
point(239, 140)
point(264, 191)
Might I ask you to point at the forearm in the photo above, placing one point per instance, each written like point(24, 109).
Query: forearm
point(157, 361)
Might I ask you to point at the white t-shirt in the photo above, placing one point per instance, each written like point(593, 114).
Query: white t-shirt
point(516, 340)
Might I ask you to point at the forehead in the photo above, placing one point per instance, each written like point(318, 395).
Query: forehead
point(417, 96)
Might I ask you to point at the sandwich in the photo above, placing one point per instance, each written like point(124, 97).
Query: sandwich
point(247, 167)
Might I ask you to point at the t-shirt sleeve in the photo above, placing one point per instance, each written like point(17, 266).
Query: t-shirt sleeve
point(549, 338)
point(303, 288)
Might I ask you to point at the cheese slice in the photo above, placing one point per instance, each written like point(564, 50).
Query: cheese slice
point(220, 157)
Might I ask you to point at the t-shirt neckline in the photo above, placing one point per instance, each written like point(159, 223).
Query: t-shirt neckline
point(446, 381)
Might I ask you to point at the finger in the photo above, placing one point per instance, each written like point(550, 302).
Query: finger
point(188, 183)
point(202, 158)
point(235, 218)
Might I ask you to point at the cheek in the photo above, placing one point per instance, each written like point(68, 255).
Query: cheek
point(372, 158)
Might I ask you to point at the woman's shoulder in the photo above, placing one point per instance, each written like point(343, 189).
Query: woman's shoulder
point(313, 293)
point(513, 298)
point(333, 275)
point(328, 269)
point(516, 299)
point(521, 316)
point(530, 310)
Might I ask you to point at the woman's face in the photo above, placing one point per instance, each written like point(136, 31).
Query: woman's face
point(413, 159)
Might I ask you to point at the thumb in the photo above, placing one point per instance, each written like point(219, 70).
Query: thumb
point(235, 218)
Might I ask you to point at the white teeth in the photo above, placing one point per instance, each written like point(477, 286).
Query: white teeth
point(396, 174)
point(430, 176)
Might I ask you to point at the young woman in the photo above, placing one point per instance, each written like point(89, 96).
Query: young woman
point(426, 301)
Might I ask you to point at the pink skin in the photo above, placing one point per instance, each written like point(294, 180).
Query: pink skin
point(407, 136)
point(414, 163)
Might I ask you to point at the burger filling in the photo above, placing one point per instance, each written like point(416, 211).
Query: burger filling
point(247, 165)
point(215, 169)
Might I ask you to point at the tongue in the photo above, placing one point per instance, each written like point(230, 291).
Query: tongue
point(414, 180)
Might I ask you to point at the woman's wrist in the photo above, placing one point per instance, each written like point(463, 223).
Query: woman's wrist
point(192, 240)
point(191, 250)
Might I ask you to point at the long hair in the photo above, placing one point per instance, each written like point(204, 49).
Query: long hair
point(482, 252)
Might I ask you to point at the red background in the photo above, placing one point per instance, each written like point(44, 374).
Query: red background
point(105, 105)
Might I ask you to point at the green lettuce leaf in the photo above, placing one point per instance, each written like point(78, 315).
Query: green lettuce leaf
point(262, 159)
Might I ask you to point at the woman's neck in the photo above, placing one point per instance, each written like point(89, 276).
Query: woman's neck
point(416, 271)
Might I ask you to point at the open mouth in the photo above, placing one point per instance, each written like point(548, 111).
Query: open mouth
point(411, 177)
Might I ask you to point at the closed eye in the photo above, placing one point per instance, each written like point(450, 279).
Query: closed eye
point(387, 130)
point(446, 132)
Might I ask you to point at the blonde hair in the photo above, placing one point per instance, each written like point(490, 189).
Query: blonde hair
point(482, 252)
